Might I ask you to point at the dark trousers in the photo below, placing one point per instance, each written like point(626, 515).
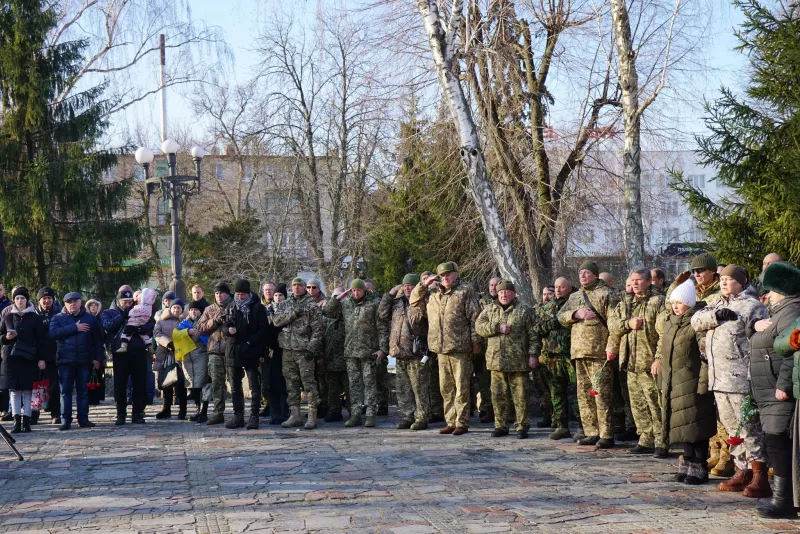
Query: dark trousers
point(74, 377)
point(54, 403)
point(779, 451)
point(236, 374)
point(130, 366)
point(278, 406)
point(697, 450)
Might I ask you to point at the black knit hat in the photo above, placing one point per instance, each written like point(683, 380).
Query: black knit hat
point(195, 305)
point(782, 278)
point(45, 292)
point(242, 286)
point(169, 295)
point(178, 302)
point(281, 288)
point(223, 287)
point(23, 291)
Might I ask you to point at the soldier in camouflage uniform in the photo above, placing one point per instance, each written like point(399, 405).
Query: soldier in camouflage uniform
point(437, 403)
point(587, 311)
point(301, 341)
point(407, 340)
point(366, 342)
point(624, 425)
point(384, 381)
point(482, 381)
point(553, 344)
point(211, 324)
point(541, 378)
point(451, 314)
point(314, 288)
point(335, 365)
point(508, 326)
point(633, 335)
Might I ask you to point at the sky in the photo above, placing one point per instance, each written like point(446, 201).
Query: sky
point(240, 21)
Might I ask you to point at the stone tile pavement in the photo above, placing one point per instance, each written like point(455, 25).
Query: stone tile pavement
point(177, 476)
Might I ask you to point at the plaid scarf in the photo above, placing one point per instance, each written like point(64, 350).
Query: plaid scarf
point(244, 306)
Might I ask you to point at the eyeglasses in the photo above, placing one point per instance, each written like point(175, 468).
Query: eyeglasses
point(698, 271)
point(312, 287)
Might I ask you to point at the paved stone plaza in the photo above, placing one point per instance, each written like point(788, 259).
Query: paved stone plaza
point(176, 476)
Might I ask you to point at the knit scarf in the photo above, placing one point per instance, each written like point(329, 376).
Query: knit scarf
point(244, 306)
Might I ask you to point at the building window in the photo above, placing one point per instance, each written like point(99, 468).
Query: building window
point(163, 208)
point(248, 173)
point(162, 169)
point(219, 172)
point(698, 181)
point(138, 173)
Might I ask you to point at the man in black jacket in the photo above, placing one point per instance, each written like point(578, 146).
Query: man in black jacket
point(46, 309)
point(246, 331)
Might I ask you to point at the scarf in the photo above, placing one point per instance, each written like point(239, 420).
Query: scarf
point(244, 306)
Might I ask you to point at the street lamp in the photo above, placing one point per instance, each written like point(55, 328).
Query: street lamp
point(172, 187)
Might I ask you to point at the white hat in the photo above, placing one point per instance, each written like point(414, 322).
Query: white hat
point(684, 293)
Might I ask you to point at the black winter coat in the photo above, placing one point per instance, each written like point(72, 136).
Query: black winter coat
point(50, 346)
point(273, 364)
point(18, 372)
point(770, 371)
point(247, 346)
point(688, 412)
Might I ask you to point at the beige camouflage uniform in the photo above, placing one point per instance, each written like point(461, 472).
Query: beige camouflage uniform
point(637, 351)
point(300, 338)
point(210, 324)
point(451, 335)
point(588, 341)
point(365, 334)
point(507, 358)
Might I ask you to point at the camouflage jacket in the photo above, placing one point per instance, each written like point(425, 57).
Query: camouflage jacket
point(322, 300)
point(551, 336)
point(210, 324)
point(334, 344)
point(405, 322)
point(301, 321)
point(507, 353)
point(636, 348)
point(588, 338)
point(486, 300)
point(451, 318)
point(364, 332)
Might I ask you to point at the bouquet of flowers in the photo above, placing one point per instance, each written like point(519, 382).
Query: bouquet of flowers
point(749, 409)
point(595, 378)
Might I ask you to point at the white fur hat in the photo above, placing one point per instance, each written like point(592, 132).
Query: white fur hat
point(684, 293)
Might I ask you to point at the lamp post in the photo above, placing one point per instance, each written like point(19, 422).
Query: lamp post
point(173, 187)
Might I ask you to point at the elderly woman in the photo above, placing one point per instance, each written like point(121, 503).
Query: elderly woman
point(169, 320)
point(22, 335)
point(98, 395)
point(195, 364)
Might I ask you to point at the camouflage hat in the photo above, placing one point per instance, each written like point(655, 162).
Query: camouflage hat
point(506, 285)
point(299, 280)
point(446, 267)
point(411, 278)
point(358, 283)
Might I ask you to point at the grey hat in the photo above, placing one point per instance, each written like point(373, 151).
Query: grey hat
point(74, 295)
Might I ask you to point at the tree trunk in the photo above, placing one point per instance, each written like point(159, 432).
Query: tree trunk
point(471, 153)
point(631, 152)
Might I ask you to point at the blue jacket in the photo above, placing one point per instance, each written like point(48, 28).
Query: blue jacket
point(76, 348)
point(5, 302)
point(113, 320)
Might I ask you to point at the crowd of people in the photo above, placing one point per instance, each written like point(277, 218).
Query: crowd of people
point(705, 363)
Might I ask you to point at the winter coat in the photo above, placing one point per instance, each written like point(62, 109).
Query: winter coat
point(770, 371)
point(302, 325)
point(195, 364)
point(163, 336)
point(552, 338)
point(113, 320)
point(210, 324)
point(202, 302)
point(589, 339)
point(784, 349)
point(334, 345)
point(508, 353)
point(5, 302)
point(77, 348)
point(636, 348)
point(364, 331)
point(402, 327)
point(451, 317)
point(247, 346)
point(727, 349)
point(18, 372)
point(687, 405)
point(50, 347)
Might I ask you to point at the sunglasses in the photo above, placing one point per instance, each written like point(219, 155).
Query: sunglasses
point(698, 271)
point(312, 287)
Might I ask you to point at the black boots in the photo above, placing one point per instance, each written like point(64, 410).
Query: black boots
point(26, 423)
point(166, 408)
point(781, 506)
point(201, 416)
point(17, 424)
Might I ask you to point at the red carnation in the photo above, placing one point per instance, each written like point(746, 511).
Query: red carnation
point(735, 440)
point(593, 392)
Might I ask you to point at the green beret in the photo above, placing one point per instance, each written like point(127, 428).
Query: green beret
point(299, 280)
point(704, 261)
point(411, 278)
point(358, 283)
point(506, 284)
point(783, 279)
point(446, 267)
point(589, 265)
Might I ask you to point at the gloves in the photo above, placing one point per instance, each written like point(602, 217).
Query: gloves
point(171, 346)
point(309, 356)
point(726, 314)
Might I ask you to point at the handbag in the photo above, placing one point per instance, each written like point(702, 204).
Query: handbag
point(168, 375)
point(40, 396)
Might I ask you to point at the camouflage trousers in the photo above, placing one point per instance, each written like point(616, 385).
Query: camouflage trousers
point(383, 383)
point(720, 440)
point(561, 379)
point(337, 385)
point(219, 388)
point(481, 383)
point(363, 378)
point(729, 408)
point(646, 407)
point(299, 375)
point(413, 390)
point(437, 402)
point(623, 415)
point(455, 373)
point(541, 387)
point(322, 384)
point(595, 410)
point(520, 393)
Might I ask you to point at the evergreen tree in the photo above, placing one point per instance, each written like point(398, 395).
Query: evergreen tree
point(754, 144)
point(56, 210)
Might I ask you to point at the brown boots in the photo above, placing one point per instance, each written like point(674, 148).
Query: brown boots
point(738, 482)
point(752, 483)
